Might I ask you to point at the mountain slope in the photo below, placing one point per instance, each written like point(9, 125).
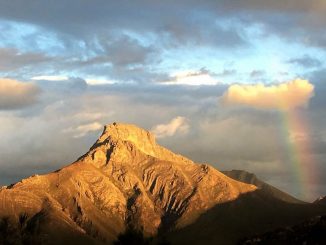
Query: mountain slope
point(250, 178)
point(125, 181)
point(252, 213)
point(312, 231)
point(321, 200)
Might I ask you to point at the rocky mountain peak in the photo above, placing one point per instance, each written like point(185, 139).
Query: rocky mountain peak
point(128, 144)
point(140, 138)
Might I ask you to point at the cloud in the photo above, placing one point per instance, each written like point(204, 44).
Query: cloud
point(289, 95)
point(83, 130)
point(50, 78)
point(120, 52)
point(125, 51)
point(257, 73)
point(12, 59)
point(178, 124)
point(149, 45)
point(72, 85)
point(99, 81)
point(227, 72)
point(115, 48)
point(112, 16)
point(194, 78)
point(306, 61)
point(15, 94)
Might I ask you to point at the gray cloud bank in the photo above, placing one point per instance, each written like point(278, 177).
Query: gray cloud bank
point(128, 41)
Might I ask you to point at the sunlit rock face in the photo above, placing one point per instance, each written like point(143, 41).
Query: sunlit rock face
point(160, 189)
point(125, 181)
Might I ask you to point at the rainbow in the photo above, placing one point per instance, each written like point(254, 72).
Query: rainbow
point(298, 155)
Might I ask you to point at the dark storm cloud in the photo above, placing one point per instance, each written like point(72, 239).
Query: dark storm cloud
point(179, 21)
point(122, 51)
point(124, 40)
point(184, 21)
point(99, 11)
point(295, 20)
point(206, 29)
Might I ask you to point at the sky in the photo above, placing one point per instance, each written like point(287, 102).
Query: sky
point(236, 84)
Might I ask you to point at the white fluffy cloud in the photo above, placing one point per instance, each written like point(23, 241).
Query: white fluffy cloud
point(178, 124)
point(15, 94)
point(284, 96)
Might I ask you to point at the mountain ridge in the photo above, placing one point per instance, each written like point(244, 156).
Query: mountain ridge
point(250, 178)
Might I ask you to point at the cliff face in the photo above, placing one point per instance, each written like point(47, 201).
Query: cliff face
point(125, 181)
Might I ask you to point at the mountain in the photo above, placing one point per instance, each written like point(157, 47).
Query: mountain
point(129, 187)
point(321, 200)
point(124, 181)
point(250, 178)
